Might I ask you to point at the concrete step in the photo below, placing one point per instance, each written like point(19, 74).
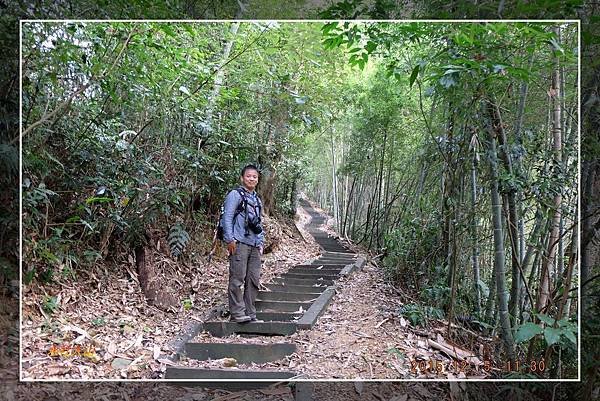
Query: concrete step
point(328, 264)
point(310, 276)
point(349, 252)
point(330, 248)
point(173, 372)
point(281, 306)
point(287, 296)
point(330, 244)
point(278, 316)
point(296, 288)
point(316, 273)
point(301, 281)
point(242, 353)
point(308, 320)
point(337, 255)
point(337, 259)
point(333, 247)
point(323, 266)
point(224, 329)
point(331, 254)
point(326, 240)
point(308, 270)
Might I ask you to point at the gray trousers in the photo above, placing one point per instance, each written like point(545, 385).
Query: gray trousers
point(244, 271)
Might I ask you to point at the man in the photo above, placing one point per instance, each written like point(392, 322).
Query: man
point(242, 231)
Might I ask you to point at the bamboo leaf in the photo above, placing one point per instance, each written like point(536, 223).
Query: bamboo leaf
point(414, 74)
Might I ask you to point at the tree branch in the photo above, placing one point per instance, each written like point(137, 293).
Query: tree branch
point(65, 105)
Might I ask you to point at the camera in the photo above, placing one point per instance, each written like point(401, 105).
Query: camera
point(255, 226)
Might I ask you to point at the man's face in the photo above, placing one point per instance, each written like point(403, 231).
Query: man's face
point(250, 179)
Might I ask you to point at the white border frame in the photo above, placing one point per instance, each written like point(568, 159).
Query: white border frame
point(323, 21)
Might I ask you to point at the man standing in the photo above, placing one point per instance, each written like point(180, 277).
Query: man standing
point(243, 233)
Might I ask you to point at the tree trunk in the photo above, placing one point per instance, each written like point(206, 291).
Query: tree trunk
point(347, 212)
point(587, 178)
point(422, 176)
point(512, 215)
point(219, 78)
point(149, 279)
point(501, 292)
point(545, 284)
point(380, 185)
point(336, 214)
point(475, 254)
point(490, 310)
point(535, 242)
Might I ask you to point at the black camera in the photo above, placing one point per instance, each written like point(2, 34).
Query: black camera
point(255, 226)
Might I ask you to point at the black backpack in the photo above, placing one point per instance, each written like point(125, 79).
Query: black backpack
point(241, 207)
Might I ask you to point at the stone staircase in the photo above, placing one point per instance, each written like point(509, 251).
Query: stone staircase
point(295, 301)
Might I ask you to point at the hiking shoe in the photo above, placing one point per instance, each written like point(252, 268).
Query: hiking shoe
point(255, 320)
point(241, 319)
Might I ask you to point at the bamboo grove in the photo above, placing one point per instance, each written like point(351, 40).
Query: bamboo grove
point(457, 166)
point(447, 150)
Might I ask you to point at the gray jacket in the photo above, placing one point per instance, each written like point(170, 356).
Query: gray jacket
point(236, 229)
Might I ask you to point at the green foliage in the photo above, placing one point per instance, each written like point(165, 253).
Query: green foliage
point(110, 178)
point(379, 121)
point(178, 238)
point(436, 295)
point(419, 315)
point(527, 331)
point(412, 202)
point(187, 304)
point(410, 248)
point(50, 304)
point(552, 335)
point(486, 9)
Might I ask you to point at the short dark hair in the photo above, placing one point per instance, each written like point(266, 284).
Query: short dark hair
point(249, 167)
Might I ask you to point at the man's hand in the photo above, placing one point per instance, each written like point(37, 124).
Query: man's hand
point(231, 247)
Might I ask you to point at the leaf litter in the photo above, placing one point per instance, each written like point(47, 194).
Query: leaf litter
point(106, 310)
point(361, 336)
point(358, 337)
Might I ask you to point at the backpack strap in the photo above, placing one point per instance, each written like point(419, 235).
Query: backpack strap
point(259, 201)
point(242, 205)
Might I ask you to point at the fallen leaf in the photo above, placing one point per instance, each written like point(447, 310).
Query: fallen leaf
point(120, 363)
point(58, 370)
point(229, 362)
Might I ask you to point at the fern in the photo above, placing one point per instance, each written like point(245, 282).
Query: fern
point(178, 238)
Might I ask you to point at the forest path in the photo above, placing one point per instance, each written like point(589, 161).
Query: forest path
point(361, 334)
point(291, 302)
point(327, 325)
